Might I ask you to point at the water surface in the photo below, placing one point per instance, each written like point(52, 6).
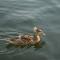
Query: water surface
point(17, 16)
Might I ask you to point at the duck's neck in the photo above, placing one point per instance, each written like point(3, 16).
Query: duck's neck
point(36, 37)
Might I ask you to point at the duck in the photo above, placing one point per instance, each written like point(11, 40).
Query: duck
point(27, 39)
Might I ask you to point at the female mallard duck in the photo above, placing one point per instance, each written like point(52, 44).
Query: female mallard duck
point(27, 39)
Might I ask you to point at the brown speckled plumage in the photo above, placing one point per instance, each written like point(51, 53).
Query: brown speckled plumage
point(27, 39)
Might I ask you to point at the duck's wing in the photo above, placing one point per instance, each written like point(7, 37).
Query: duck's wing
point(26, 39)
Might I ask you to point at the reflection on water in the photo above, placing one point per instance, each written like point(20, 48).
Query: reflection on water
point(17, 16)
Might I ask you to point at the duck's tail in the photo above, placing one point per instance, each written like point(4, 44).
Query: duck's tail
point(9, 41)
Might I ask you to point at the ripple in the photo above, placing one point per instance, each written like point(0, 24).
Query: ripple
point(11, 50)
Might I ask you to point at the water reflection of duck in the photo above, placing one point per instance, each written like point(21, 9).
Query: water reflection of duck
point(27, 39)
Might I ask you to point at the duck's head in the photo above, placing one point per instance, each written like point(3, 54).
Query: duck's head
point(38, 31)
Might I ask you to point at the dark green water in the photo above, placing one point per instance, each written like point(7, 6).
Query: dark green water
point(21, 16)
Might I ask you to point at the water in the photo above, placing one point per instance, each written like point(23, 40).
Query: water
point(17, 16)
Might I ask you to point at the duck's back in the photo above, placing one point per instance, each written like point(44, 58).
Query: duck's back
point(22, 40)
point(26, 39)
